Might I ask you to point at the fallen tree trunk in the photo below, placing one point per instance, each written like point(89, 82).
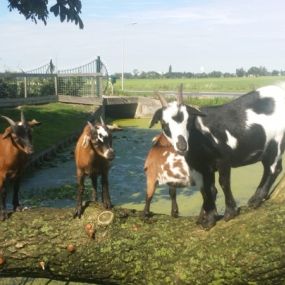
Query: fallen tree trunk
point(49, 243)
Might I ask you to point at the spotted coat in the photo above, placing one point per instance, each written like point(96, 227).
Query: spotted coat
point(164, 166)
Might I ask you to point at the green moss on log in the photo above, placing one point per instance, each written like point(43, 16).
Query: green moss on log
point(131, 250)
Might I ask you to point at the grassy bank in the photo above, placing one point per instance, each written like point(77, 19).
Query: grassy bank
point(234, 84)
point(58, 121)
point(61, 120)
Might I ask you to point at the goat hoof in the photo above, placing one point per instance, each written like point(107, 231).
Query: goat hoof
point(3, 217)
point(18, 209)
point(146, 215)
point(230, 213)
point(107, 205)
point(77, 214)
point(207, 221)
point(254, 202)
point(199, 221)
point(207, 224)
point(174, 214)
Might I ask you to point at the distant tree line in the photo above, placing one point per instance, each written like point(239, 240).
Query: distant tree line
point(240, 72)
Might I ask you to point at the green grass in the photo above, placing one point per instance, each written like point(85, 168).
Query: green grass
point(196, 101)
point(235, 84)
point(61, 120)
point(58, 121)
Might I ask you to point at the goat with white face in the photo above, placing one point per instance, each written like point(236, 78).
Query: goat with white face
point(93, 155)
point(249, 129)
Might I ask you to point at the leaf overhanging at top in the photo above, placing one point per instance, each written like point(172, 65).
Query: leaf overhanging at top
point(37, 10)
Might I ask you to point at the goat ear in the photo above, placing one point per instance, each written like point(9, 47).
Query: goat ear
point(194, 111)
point(34, 123)
point(156, 118)
point(7, 132)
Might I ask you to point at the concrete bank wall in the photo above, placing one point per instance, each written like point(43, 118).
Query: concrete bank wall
point(80, 100)
point(113, 106)
point(129, 107)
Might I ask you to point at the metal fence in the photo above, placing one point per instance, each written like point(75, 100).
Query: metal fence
point(77, 85)
point(88, 80)
point(22, 85)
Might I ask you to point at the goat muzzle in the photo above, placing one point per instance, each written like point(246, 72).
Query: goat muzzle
point(181, 145)
point(29, 150)
point(110, 154)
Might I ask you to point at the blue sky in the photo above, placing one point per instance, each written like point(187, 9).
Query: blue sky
point(192, 36)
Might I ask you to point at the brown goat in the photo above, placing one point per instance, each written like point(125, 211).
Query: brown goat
point(15, 148)
point(93, 153)
point(164, 166)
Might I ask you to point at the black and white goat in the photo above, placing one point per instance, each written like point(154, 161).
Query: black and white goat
point(249, 129)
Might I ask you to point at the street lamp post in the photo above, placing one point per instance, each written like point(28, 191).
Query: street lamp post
point(123, 53)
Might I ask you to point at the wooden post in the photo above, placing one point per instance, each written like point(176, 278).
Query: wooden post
point(93, 91)
point(25, 87)
point(55, 85)
point(98, 77)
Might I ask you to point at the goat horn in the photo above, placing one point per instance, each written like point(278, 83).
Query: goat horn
point(162, 99)
point(102, 121)
point(10, 121)
point(180, 94)
point(90, 125)
point(23, 120)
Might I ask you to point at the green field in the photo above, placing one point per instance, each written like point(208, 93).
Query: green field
point(232, 84)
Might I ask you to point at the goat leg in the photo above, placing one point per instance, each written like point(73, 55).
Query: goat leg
point(79, 211)
point(94, 185)
point(174, 206)
point(16, 204)
point(105, 192)
point(151, 186)
point(225, 181)
point(208, 214)
point(266, 182)
point(3, 210)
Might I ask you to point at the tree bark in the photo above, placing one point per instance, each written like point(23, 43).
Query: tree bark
point(44, 242)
